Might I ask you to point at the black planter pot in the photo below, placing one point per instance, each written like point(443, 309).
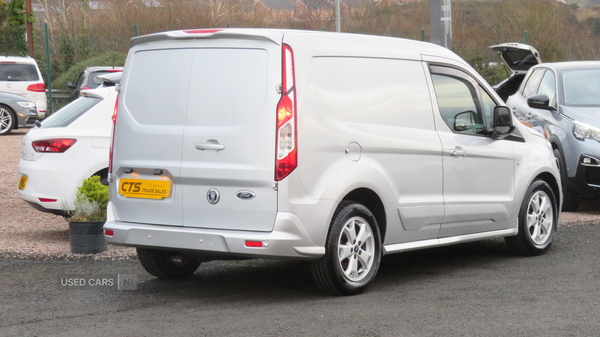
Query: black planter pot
point(87, 237)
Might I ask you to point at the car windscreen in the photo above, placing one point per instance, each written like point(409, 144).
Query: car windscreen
point(70, 112)
point(581, 87)
point(18, 72)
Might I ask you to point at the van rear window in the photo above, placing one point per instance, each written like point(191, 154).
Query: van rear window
point(197, 87)
point(18, 72)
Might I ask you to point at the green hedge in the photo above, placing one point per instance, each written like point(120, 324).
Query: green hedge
point(107, 59)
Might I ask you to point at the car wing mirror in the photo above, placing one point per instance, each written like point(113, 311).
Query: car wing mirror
point(70, 85)
point(540, 101)
point(503, 123)
point(465, 121)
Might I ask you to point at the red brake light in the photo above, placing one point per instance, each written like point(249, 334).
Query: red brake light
point(85, 88)
point(109, 232)
point(58, 145)
point(202, 31)
point(47, 200)
point(287, 140)
point(115, 71)
point(38, 87)
point(112, 141)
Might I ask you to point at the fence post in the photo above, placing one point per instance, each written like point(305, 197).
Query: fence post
point(526, 37)
point(135, 30)
point(422, 34)
point(48, 71)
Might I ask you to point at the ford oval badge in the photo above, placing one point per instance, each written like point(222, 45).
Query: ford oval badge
point(245, 195)
point(213, 196)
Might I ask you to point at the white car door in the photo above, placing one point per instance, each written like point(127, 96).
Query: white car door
point(478, 170)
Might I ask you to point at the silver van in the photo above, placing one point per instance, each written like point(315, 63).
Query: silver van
point(331, 148)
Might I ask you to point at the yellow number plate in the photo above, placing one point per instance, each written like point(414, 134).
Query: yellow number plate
point(146, 189)
point(23, 182)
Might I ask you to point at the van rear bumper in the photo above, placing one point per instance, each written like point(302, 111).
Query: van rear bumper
point(287, 240)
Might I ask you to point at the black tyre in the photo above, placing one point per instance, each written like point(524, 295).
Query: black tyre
point(352, 252)
point(167, 264)
point(8, 120)
point(538, 218)
point(570, 200)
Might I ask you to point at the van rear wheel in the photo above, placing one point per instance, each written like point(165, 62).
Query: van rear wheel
point(167, 264)
point(352, 252)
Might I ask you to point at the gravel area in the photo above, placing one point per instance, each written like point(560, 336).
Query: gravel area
point(26, 233)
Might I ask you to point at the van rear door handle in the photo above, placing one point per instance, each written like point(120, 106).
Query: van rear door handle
point(210, 146)
point(458, 152)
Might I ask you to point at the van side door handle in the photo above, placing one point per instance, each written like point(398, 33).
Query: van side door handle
point(458, 152)
point(210, 146)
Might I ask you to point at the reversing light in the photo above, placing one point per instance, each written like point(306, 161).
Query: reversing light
point(56, 145)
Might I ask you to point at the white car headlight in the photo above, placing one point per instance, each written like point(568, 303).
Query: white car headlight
point(582, 131)
point(27, 104)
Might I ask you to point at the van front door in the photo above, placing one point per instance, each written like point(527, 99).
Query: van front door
point(478, 170)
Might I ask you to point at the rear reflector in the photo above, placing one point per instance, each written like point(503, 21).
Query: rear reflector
point(38, 87)
point(109, 232)
point(255, 244)
point(58, 145)
point(47, 200)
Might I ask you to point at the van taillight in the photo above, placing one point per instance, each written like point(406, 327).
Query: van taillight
point(112, 140)
point(38, 87)
point(287, 135)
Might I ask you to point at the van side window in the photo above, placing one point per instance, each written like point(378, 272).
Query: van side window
point(532, 84)
point(459, 104)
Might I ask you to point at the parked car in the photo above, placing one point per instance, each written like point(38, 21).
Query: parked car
point(328, 147)
point(66, 148)
point(562, 100)
point(88, 79)
point(519, 58)
point(21, 76)
point(16, 112)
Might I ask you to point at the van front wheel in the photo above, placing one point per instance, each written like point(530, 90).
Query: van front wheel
point(167, 264)
point(538, 219)
point(352, 252)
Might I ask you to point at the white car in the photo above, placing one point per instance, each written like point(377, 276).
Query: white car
point(69, 146)
point(21, 76)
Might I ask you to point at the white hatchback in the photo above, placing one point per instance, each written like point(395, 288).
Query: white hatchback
point(69, 146)
point(21, 76)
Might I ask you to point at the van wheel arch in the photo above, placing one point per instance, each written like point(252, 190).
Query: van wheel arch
point(372, 201)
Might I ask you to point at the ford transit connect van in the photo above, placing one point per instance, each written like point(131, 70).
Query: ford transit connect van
point(332, 148)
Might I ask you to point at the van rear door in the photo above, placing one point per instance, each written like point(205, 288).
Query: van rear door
point(200, 111)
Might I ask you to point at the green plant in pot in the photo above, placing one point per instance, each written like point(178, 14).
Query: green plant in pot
point(86, 222)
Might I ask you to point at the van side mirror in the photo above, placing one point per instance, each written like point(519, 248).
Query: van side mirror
point(540, 101)
point(503, 123)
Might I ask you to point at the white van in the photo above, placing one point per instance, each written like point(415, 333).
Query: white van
point(332, 148)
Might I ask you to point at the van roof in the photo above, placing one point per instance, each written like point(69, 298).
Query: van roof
point(339, 41)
